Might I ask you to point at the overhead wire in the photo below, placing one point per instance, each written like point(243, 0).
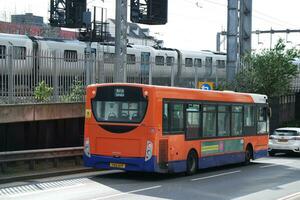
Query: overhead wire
point(263, 16)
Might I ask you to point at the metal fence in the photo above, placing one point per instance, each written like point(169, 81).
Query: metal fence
point(50, 76)
point(43, 76)
point(283, 110)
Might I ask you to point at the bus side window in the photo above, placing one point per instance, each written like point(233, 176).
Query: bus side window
point(248, 116)
point(176, 117)
point(223, 120)
point(262, 120)
point(192, 121)
point(236, 120)
point(209, 121)
point(165, 117)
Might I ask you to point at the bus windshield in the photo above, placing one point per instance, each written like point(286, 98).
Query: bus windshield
point(125, 105)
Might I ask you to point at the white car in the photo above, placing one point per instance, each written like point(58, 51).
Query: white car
point(284, 140)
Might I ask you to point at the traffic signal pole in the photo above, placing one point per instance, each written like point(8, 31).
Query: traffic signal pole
point(120, 41)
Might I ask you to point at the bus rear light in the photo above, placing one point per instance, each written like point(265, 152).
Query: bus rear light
point(149, 149)
point(87, 148)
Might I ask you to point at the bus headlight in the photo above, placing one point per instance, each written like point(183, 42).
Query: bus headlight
point(149, 149)
point(87, 151)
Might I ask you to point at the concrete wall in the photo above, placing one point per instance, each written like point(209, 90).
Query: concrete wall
point(38, 112)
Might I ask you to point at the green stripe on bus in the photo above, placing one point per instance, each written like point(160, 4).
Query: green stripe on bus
point(222, 146)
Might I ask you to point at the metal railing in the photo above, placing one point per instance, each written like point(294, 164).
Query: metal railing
point(32, 156)
point(43, 76)
point(29, 76)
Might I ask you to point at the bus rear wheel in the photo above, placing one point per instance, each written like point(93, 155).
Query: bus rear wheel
point(191, 163)
point(248, 155)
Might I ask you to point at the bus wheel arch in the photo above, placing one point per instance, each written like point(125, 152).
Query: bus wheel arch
point(248, 154)
point(192, 162)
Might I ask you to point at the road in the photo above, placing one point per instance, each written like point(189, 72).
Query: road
point(275, 178)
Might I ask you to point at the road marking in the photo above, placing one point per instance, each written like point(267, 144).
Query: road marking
point(38, 187)
point(291, 196)
point(272, 165)
point(130, 192)
point(277, 164)
point(212, 176)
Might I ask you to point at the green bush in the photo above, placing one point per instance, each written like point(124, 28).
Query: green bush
point(77, 92)
point(43, 92)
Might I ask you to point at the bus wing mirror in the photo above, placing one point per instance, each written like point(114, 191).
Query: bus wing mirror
point(269, 111)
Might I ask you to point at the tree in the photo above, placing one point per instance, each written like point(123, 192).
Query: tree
point(269, 72)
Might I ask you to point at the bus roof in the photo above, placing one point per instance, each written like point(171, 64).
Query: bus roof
point(195, 94)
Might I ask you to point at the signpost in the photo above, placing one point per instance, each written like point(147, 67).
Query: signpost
point(205, 85)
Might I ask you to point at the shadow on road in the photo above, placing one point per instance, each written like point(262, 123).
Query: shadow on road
point(251, 179)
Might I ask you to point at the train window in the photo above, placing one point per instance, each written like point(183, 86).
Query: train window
point(2, 52)
point(70, 56)
point(93, 52)
point(188, 62)
point(159, 60)
point(237, 120)
point(209, 121)
point(19, 53)
point(170, 60)
point(130, 59)
point(109, 57)
point(208, 62)
point(223, 121)
point(197, 62)
point(220, 63)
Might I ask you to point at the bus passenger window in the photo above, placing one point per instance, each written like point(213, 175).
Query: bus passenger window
point(192, 121)
point(209, 121)
point(262, 120)
point(237, 120)
point(177, 117)
point(249, 116)
point(165, 118)
point(223, 121)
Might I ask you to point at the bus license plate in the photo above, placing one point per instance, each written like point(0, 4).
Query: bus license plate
point(117, 165)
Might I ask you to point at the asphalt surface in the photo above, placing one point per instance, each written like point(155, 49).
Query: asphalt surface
point(268, 178)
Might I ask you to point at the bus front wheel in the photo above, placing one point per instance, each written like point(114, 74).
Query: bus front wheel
point(191, 163)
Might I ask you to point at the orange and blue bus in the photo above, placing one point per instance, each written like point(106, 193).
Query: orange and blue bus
point(149, 128)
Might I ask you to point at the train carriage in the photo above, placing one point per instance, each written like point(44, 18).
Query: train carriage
point(16, 51)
